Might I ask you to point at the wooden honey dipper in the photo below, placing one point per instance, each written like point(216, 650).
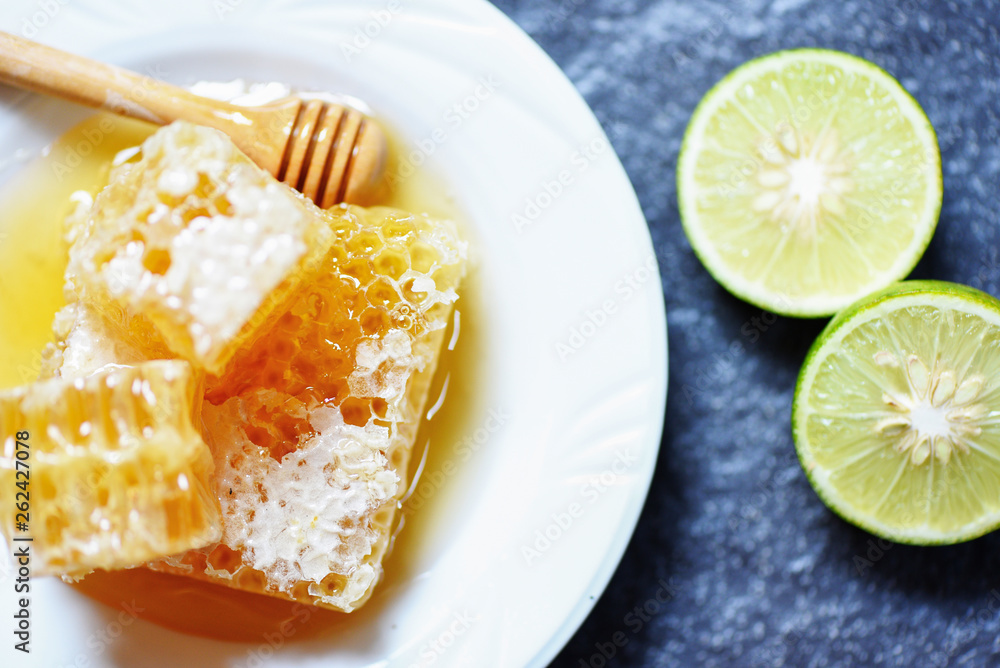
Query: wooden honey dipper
point(328, 152)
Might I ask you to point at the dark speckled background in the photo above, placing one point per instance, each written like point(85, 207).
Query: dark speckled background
point(753, 569)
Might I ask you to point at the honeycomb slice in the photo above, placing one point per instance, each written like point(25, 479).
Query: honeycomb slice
point(313, 425)
point(117, 474)
point(195, 243)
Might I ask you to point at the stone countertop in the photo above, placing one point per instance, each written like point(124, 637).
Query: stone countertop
point(735, 561)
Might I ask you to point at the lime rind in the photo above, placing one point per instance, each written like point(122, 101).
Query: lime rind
point(957, 503)
point(823, 298)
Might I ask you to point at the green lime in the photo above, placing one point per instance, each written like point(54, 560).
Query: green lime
point(896, 415)
point(808, 179)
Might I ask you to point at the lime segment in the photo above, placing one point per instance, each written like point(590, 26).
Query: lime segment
point(895, 415)
point(808, 179)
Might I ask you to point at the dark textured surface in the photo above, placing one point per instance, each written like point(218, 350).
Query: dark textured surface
point(749, 567)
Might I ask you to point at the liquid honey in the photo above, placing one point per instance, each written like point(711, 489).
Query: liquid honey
point(32, 254)
point(33, 206)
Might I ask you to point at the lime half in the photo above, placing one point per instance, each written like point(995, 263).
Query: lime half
point(808, 179)
point(896, 416)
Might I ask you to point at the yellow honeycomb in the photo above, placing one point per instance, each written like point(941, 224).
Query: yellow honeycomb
point(312, 426)
point(117, 473)
point(196, 244)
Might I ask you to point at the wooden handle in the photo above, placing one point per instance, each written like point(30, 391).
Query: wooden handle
point(264, 133)
point(42, 69)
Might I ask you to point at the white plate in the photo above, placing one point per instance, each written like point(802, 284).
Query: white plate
point(584, 427)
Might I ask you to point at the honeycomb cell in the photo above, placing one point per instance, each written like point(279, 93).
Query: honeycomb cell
point(374, 320)
point(358, 268)
point(391, 263)
point(382, 292)
point(367, 243)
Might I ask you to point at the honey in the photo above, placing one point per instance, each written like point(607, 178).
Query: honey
point(36, 203)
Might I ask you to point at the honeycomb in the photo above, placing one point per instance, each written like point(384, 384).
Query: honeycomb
point(195, 245)
point(118, 473)
point(312, 426)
